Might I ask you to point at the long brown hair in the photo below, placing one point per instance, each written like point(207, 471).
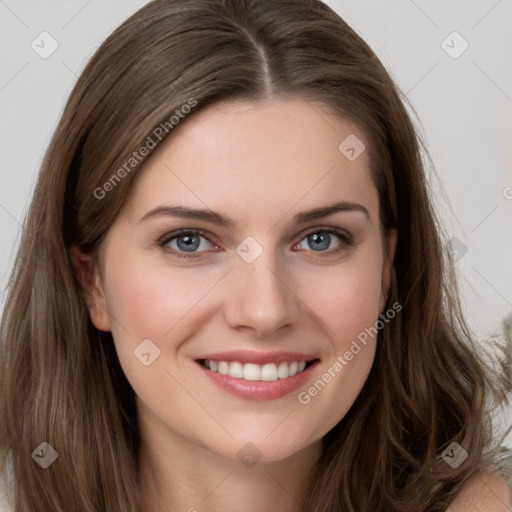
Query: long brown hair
point(60, 379)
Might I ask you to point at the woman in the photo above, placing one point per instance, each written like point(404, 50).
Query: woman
point(231, 290)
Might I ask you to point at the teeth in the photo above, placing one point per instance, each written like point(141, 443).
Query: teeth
point(269, 372)
point(251, 371)
point(283, 371)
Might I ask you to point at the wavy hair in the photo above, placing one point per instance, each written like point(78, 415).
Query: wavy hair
point(60, 379)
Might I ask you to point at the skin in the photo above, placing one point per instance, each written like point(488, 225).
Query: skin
point(259, 164)
point(485, 491)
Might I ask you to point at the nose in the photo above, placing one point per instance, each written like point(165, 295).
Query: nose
point(261, 297)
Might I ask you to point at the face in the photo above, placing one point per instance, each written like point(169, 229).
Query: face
point(241, 276)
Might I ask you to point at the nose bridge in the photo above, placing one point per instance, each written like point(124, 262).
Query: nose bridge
point(261, 298)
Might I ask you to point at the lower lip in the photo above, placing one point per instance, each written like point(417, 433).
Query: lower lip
point(258, 389)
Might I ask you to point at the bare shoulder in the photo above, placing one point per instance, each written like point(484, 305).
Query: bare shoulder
point(486, 491)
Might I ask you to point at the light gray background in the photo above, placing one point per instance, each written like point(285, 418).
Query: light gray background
point(464, 108)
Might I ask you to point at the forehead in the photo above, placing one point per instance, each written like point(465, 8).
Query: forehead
point(266, 156)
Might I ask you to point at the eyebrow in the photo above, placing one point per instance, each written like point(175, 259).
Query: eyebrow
point(217, 219)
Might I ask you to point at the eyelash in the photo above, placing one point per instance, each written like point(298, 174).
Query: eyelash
point(344, 237)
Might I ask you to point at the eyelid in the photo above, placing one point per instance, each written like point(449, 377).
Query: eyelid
point(329, 229)
point(165, 239)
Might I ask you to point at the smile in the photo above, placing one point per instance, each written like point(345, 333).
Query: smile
point(252, 371)
point(258, 375)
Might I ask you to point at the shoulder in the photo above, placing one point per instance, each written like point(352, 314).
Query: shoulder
point(487, 491)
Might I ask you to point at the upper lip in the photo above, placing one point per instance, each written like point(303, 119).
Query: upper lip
point(247, 356)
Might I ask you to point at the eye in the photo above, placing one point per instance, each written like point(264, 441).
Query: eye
point(190, 243)
point(323, 240)
point(186, 241)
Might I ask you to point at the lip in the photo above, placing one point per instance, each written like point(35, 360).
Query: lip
point(247, 356)
point(258, 390)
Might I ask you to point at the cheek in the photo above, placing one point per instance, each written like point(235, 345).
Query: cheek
point(149, 300)
point(152, 302)
point(346, 301)
point(347, 297)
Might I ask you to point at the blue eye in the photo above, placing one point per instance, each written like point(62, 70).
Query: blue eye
point(321, 240)
point(186, 242)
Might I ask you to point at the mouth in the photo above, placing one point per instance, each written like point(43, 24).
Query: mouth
point(258, 376)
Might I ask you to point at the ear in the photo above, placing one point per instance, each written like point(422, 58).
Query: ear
point(88, 274)
point(387, 269)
